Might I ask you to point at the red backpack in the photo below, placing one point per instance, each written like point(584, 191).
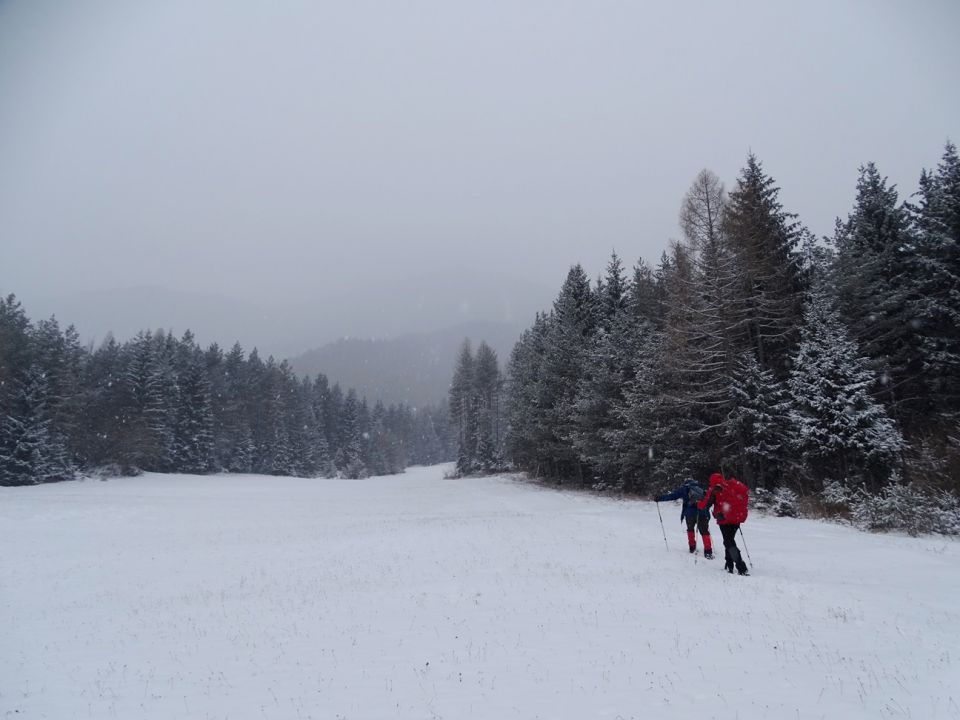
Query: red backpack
point(731, 502)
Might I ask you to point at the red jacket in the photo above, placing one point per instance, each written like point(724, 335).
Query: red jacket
point(729, 503)
point(714, 479)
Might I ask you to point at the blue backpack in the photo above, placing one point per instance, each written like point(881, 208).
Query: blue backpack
point(695, 493)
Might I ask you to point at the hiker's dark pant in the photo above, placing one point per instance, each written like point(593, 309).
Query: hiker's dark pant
point(731, 552)
point(700, 522)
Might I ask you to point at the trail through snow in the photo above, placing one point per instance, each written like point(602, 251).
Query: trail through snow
point(414, 596)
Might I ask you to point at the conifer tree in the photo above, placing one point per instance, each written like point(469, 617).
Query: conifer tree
point(29, 452)
point(764, 238)
point(350, 458)
point(234, 443)
point(648, 448)
point(839, 430)
point(463, 409)
point(759, 425)
point(567, 343)
point(526, 418)
point(193, 432)
point(146, 414)
point(702, 325)
point(873, 286)
point(487, 386)
point(607, 368)
point(15, 356)
point(934, 301)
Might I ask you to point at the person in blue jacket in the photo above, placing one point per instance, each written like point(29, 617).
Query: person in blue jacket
point(694, 512)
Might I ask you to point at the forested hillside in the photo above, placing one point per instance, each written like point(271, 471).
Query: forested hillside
point(164, 404)
point(830, 364)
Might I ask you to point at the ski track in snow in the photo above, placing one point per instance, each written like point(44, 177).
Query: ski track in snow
point(415, 596)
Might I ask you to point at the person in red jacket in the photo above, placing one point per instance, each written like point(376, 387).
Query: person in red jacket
point(728, 498)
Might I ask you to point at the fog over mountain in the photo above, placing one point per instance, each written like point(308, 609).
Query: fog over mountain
point(413, 369)
point(416, 305)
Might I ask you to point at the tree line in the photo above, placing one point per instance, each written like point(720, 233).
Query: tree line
point(158, 403)
point(756, 348)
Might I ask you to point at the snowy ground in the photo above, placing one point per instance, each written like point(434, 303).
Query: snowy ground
point(417, 597)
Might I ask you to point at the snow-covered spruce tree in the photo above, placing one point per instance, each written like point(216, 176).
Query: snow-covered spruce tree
point(333, 416)
point(569, 333)
point(193, 431)
point(633, 347)
point(594, 421)
point(59, 357)
point(29, 452)
point(839, 431)
point(615, 295)
point(287, 420)
point(609, 366)
point(874, 283)
point(463, 409)
point(263, 407)
point(525, 417)
point(309, 439)
point(764, 239)
point(99, 439)
point(282, 460)
point(15, 359)
point(213, 363)
point(350, 458)
point(173, 358)
point(486, 391)
point(475, 401)
point(379, 460)
point(759, 424)
point(935, 299)
point(15, 354)
point(146, 439)
point(641, 428)
point(319, 401)
point(235, 447)
point(662, 410)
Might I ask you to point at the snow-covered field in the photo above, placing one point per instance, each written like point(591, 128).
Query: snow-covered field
point(418, 597)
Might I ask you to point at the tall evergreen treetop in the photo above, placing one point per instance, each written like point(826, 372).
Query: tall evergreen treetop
point(615, 290)
point(764, 238)
point(875, 277)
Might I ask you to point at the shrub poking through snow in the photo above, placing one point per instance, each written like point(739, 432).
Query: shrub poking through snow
point(781, 501)
point(909, 509)
point(835, 496)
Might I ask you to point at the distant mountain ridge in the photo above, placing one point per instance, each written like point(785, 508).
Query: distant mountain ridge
point(415, 369)
point(286, 328)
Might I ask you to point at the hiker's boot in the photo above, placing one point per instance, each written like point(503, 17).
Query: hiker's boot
point(707, 547)
point(692, 541)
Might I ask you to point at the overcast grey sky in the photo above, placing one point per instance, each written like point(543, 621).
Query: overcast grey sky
point(294, 153)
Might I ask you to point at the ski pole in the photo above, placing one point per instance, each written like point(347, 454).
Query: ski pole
point(742, 537)
point(664, 531)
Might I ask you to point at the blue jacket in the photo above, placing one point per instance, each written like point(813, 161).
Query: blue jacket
point(689, 505)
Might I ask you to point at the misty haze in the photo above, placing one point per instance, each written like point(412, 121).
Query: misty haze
point(357, 359)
